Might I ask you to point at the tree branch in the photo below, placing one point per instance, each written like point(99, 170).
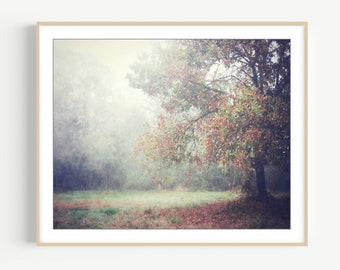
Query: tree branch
point(208, 87)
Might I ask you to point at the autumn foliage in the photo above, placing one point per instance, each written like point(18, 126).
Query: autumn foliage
point(224, 102)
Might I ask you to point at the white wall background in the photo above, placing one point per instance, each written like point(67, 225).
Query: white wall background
point(17, 136)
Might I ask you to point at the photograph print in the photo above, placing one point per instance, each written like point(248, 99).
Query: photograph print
point(171, 134)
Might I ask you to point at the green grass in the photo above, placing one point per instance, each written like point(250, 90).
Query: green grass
point(167, 210)
point(110, 211)
point(142, 200)
point(121, 209)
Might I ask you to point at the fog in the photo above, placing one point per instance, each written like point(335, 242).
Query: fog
point(97, 116)
point(99, 119)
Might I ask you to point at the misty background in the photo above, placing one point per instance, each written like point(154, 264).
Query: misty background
point(97, 116)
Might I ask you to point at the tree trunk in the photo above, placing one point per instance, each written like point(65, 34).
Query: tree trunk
point(260, 180)
point(159, 186)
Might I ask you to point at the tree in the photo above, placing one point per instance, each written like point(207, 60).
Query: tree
point(225, 102)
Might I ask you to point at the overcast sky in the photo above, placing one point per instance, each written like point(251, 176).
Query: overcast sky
point(115, 55)
point(90, 83)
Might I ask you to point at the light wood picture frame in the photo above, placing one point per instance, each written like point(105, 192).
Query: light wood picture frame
point(57, 43)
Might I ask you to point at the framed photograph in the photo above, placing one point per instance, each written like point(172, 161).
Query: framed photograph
point(172, 133)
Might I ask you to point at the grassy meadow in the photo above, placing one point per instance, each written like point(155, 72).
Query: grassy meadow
point(166, 210)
